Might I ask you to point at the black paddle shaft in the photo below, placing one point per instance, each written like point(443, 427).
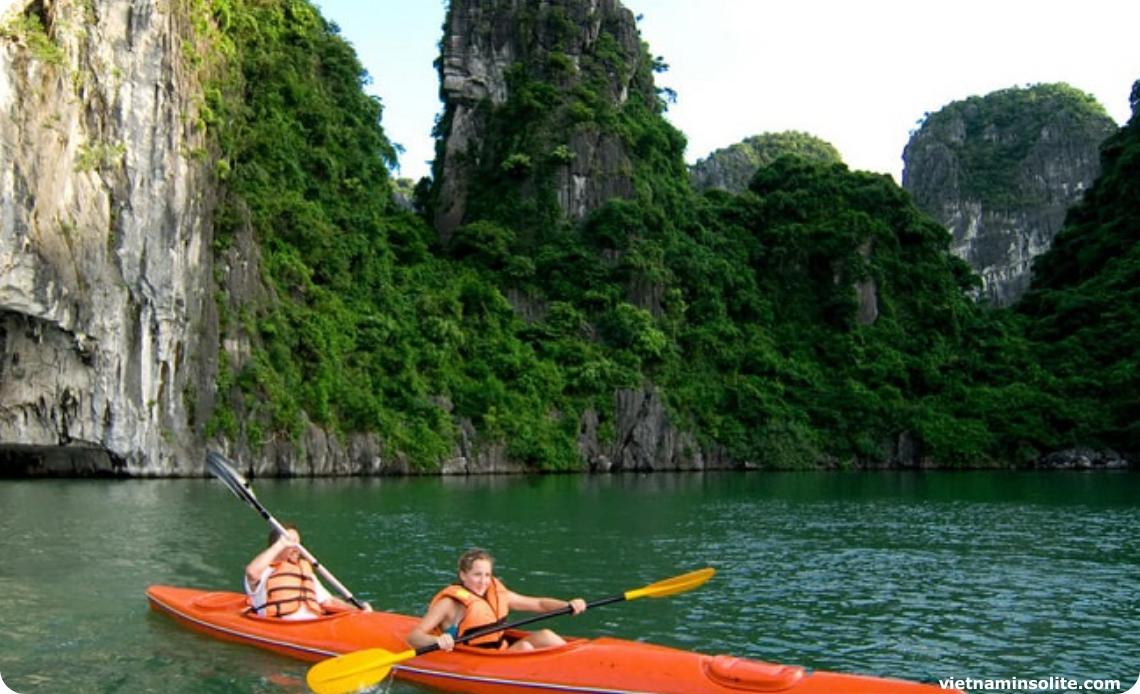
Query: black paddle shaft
point(521, 622)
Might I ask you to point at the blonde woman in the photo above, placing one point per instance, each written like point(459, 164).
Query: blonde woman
point(479, 600)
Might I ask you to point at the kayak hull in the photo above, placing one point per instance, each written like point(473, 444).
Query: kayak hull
point(582, 666)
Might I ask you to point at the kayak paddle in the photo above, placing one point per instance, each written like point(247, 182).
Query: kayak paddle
point(360, 669)
point(217, 464)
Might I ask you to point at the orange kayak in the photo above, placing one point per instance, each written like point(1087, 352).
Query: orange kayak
point(582, 666)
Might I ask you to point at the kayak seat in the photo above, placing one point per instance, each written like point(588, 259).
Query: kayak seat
point(750, 675)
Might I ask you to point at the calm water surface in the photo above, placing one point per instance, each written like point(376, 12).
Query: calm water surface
point(919, 576)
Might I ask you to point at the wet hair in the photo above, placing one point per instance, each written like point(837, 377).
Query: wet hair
point(468, 559)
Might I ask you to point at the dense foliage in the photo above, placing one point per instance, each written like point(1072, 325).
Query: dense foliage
point(732, 167)
point(1084, 308)
point(816, 317)
point(843, 324)
point(343, 343)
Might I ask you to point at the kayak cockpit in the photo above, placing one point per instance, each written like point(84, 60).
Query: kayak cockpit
point(237, 603)
point(512, 635)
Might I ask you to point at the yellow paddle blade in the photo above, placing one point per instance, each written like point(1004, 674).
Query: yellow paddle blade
point(672, 586)
point(354, 671)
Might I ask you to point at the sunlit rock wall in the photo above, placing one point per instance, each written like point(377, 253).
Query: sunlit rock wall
point(106, 336)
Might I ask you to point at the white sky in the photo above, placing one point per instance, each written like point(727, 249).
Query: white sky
point(859, 74)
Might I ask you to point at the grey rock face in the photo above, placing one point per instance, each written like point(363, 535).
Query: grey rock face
point(104, 252)
point(483, 42)
point(1001, 171)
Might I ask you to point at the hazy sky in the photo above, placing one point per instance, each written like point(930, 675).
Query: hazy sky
point(859, 74)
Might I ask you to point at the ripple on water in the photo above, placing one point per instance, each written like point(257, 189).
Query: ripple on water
point(916, 576)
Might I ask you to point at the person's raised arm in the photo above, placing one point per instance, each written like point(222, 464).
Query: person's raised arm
point(442, 612)
point(257, 566)
point(527, 603)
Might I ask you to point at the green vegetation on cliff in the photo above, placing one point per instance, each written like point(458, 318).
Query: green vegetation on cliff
point(341, 341)
point(732, 168)
point(817, 316)
point(1025, 118)
point(1084, 307)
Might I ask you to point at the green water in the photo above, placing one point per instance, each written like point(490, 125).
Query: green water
point(920, 576)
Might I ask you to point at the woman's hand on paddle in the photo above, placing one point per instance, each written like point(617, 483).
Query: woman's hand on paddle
point(445, 641)
point(577, 605)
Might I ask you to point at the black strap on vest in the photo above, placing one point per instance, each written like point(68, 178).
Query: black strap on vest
point(305, 594)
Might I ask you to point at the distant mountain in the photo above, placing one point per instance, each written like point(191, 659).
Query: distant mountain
point(732, 167)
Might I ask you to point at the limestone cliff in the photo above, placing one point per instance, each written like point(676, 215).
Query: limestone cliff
point(1001, 171)
point(106, 336)
point(529, 89)
point(550, 111)
point(113, 274)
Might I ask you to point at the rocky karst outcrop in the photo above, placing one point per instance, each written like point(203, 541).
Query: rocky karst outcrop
point(105, 275)
point(547, 140)
point(109, 333)
point(548, 101)
point(1001, 171)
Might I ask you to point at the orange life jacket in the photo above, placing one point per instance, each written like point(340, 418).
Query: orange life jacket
point(289, 587)
point(481, 611)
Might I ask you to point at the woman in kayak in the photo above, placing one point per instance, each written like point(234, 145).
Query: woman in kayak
point(480, 600)
point(282, 583)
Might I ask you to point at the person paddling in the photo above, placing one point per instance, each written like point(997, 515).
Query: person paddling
point(480, 600)
point(281, 583)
